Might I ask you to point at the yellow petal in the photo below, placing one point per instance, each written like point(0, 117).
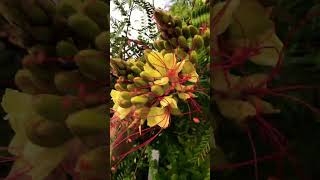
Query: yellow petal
point(194, 77)
point(184, 96)
point(123, 112)
point(225, 20)
point(163, 81)
point(35, 155)
point(157, 62)
point(266, 107)
point(179, 66)
point(169, 101)
point(236, 109)
point(158, 116)
point(170, 60)
point(269, 56)
point(152, 72)
point(220, 82)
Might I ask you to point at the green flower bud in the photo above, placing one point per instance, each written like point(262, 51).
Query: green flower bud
point(158, 90)
point(197, 42)
point(161, 17)
point(83, 26)
point(45, 133)
point(124, 103)
point(88, 121)
point(138, 81)
point(160, 44)
point(193, 30)
point(139, 100)
point(206, 37)
point(136, 69)
point(173, 42)
point(66, 49)
point(52, 107)
point(178, 31)
point(178, 21)
point(130, 77)
point(182, 42)
point(194, 57)
point(101, 41)
point(140, 64)
point(125, 95)
point(167, 45)
point(131, 87)
point(186, 32)
point(118, 87)
point(146, 76)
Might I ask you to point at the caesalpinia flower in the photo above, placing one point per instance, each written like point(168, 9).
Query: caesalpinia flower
point(156, 90)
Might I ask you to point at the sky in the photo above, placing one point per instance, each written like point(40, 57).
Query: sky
point(136, 15)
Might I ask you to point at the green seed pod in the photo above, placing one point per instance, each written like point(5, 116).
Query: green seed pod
point(92, 64)
point(136, 69)
point(186, 32)
point(146, 76)
point(66, 49)
point(194, 57)
point(47, 133)
point(139, 100)
point(177, 31)
point(101, 41)
point(158, 90)
point(55, 108)
point(83, 26)
point(197, 42)
point(88, 121)
point(193, 30)
point(93, 164)
point(96, 10)
point(183, 42)
point(138, 81)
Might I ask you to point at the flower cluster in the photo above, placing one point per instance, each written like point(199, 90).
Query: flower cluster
point(152, 92)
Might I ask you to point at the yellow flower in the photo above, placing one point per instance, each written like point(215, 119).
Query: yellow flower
point(163, 66)
point(119, 111)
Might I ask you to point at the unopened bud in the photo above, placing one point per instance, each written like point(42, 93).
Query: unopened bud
point(139, 100)
point(197, 42)
point(158, 90)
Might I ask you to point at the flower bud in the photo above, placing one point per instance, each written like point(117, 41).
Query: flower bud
point(158, 90)
point(139, 100)
point(124, 103)
point(146, 76)
point(186, 32)
point(136, 69)
point(138, 81)
point(197, 42)
point(193, 57)
point(193, 30)
point(125, 95)
point(45, 133)
point(182, 42)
